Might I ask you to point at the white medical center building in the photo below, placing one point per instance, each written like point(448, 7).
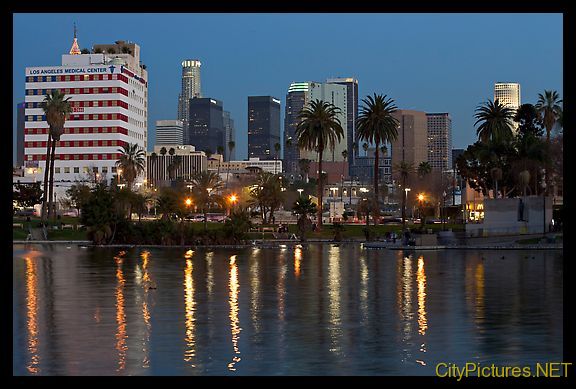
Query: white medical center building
point(108, 91)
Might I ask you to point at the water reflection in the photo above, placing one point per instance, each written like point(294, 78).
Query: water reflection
point(422, 322)
point(32, 315)
point(147, 281)
point(334, 298)
point(121, 335)
point(189, 309)
point(363, 287)
point(297, 259)
point(255, 289)
point(234, 320)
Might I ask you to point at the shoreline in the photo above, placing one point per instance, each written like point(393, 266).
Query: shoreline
point(280, 243)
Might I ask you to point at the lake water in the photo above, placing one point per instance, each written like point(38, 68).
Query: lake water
point(320, 309)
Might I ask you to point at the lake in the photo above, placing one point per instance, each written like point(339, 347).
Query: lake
point(317, 309)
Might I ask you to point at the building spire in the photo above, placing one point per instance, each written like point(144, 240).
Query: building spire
point(75, 50)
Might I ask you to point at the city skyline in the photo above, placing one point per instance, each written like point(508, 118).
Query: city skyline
point(411, 67)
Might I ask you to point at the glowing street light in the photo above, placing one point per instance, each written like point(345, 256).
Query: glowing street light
point(233, 199)
point(188, 202)
point(300, 191)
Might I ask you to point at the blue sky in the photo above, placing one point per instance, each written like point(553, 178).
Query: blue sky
point(429, 62)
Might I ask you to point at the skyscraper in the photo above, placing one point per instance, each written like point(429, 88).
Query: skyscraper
point(108, 91)
point(191, 88)
point(263, 126)
point(169, 132)
point(296, 99)
point(20, 124)
point(206, 125)
point(352, 113)
point(508, 93)
point(411, 145)
point(229, 135)
point(439, 141)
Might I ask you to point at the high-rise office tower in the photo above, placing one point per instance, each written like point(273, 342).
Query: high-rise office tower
point(439, 141)
point(263, 126)
point(411, 145)
point(20, 124)
point(352, 113)
point(229, 135)
point(191, 88)
point(169, 132)
point(299, 95)
point(508, 93)
point(206, 125)
point(108, 91)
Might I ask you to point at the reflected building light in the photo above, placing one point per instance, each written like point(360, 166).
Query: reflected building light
point(189, 254)
point(234, 318)
point(121, 334)
point(209, 273)
point(32, 316)
point(281, 286)
point(255, 290)
point(406, 312)
point(334, 298)
point(189, 313)
point(421, 280)
point(479, 302)
point(297, 259)
point(363, 287)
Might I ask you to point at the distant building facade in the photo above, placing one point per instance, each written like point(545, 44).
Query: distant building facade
point(229, 136)
point(263, 126)
point(411, 145)
point(20, 125)
point(508, 93)
point(191, 88)
point(206, 125)
point(169, 132)
point(351, 113)
point(158, 171)
point(439, 141)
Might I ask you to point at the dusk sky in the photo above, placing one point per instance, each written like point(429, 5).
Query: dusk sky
point(429, 62)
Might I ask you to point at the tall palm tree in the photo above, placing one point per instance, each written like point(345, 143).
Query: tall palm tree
point(318, 129)
point(495, 121)
point(404, 169)
point(345, 156)
point(277, 148)
point(231, 145)
point(376, 124)
point(153, 162)
point(304, 165)
point(56, 107)
point(174, 165)
point(424, 169)
point(549, 107)
point(132, 161)
point(205, 188)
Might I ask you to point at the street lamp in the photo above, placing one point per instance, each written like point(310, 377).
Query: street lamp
point(300, 191)
point(406, 190)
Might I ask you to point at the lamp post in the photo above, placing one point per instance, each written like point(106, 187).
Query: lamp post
point(443, 210)
point(543, 184)
point(300, 190)
point(232, 199)
point(406, 190)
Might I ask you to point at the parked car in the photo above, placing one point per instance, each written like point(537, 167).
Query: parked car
point(26, 212)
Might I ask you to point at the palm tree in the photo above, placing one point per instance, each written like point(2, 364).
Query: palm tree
point(231, 146)
point(57, 108)
point(304, 165)
point(205, 188)
point(365, 148)
point(220, 150)
point(132, 161)
point(549, 107)
point(345, 156)
point(174, 166)
point(304, 207)
point(495, 121)
point(404, 169)
point(277, 150)
point(163, 151)
point(424, 169)
point(153, 161)
point(319, 128)
point(377, 125)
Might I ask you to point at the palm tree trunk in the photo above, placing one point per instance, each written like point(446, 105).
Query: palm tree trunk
point(320, 190)
point(403, 203)
point(376, 174)
point(46, 175)
point(51, 181)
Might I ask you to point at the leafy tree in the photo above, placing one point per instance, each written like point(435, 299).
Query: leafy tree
point(78, 193)
point(205, 188)
point(266, 193)
point(529, 120)
point(549, 107)
point(238, 225)
point(84, 51)
point(99, 216)
point(27, 194)
point(319, 128)
point(304, 165)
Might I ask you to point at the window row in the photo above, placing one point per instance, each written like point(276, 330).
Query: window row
point(78, 77)
point(93, 116)
point(80, 130)
point(85, 169)
point(91, 103)
point(75, 157)
point(77, 91)
point(78, 143)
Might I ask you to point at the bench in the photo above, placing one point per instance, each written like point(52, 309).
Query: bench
point(14, 225)
point(70, 226)
point(79, 226)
